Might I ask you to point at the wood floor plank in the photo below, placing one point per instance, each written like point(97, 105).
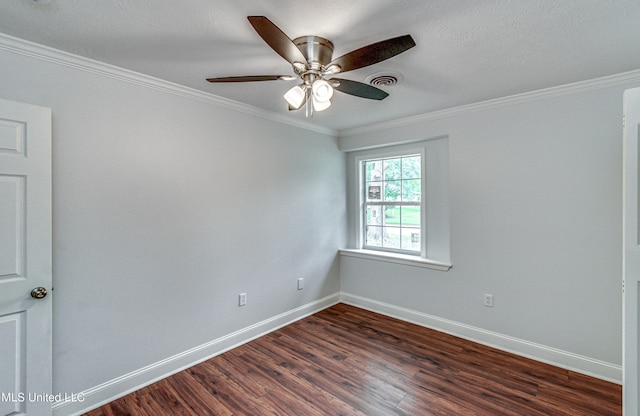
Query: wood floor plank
point(285, 353)
point(571, 398)
point(431, 404)
point(379, 389)
point(236, 369)
point(163, 393)
point(349, 361)
point(290, 393)
point(228, 389)
point(197, 396)
point(148, 402)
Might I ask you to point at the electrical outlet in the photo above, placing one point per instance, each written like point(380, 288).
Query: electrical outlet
point(242, 299)
point(301, 283)
point(488, 300)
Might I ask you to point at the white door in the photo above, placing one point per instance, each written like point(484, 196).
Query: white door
point(25, 259)
point(631, 254)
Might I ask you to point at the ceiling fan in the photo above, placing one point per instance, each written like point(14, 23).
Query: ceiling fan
point(310, 57)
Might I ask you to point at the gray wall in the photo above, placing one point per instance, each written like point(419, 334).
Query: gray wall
point(165, 208)
point(536, 220)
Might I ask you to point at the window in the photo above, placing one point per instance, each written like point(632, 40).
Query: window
point(398, 204)
point(392, 204)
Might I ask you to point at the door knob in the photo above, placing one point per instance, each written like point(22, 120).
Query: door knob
point(39, 293)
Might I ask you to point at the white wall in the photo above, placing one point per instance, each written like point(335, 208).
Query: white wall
point(165, 209)
point(536, 220)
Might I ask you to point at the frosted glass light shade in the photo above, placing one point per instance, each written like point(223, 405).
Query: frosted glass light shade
point(322, 90)
point(320, 105)
point(295, 96)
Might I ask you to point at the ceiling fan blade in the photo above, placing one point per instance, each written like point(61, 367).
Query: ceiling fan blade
point(359, 89)
point(252, 78)
point(277, 39)
point(374, 53)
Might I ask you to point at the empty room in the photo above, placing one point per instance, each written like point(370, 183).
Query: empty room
point(319, 208)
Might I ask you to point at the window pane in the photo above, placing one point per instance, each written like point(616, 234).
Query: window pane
point(410, 216)
point(374, 215)
point(374, 191)
point(411, 239)
point(374, 236)
point(411, 190)
point(392, 190)
point(373, 170)
point(411, 167)
point(391, 215)
point(392, 169)
point(391, 237)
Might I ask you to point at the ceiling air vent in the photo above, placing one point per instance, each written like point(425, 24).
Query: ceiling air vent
point(384, 79)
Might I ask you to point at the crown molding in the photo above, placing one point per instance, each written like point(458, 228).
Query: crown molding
point(55, 56)
point(567, 89)
point(48, 54)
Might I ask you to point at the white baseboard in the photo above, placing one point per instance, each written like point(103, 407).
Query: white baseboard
point(118, 387)
point(574, 362)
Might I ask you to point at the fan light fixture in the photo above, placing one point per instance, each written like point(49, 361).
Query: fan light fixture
point(311, 58)
point(321, 93)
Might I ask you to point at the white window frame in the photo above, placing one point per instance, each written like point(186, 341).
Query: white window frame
point(363, 198)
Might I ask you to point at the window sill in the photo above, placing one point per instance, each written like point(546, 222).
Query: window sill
point(404, 259)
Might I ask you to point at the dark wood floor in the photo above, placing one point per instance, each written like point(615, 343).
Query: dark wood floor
point(348, 361)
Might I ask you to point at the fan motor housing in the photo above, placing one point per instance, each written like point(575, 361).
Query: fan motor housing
point(315, 48)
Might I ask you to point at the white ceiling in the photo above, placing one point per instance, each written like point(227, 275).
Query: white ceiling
point(467, 50)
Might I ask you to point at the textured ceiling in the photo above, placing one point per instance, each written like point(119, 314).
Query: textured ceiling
point(467, 50)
